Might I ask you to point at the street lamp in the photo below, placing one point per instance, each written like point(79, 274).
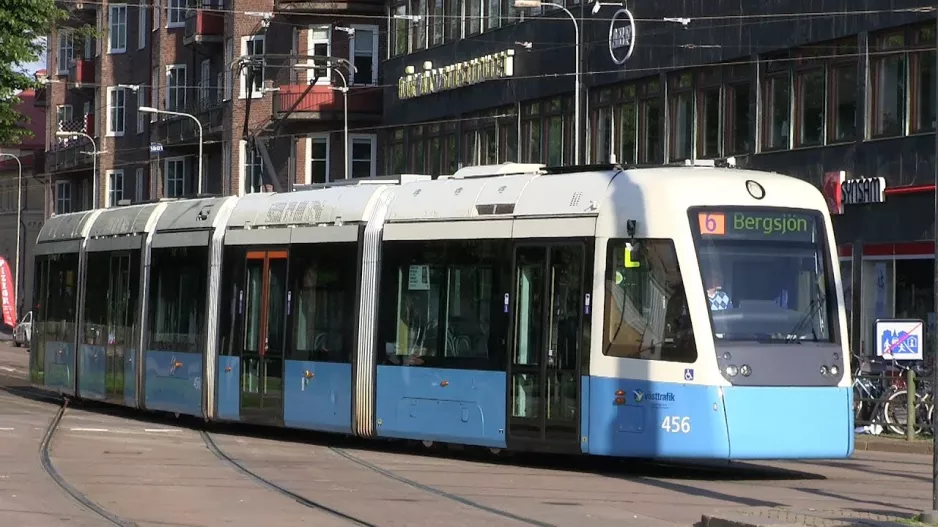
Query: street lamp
point(576, 74)
point(150, 109)
point(19, 211)
point(94, 162)
point(344, 90)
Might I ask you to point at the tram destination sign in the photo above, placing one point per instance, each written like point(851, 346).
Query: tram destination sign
point(434, 80)
point(757, 225)
point(621, 36)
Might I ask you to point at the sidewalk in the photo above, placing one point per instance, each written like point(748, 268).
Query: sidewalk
point(787, 517)
point(894, 444)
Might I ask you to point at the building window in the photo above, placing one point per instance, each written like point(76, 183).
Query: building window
point(844, 83)
point(681, 114)
point(531, 132)
point(419, 25)
point(229, 75)
point(117, 28)
point(626, 125)
point(474, 16)
point(888, 74)
point(362, 156)
point(399, 30)
point(709, 114)
point(738, 139)
point(116, 111)
point(115, 187)
point(365, 55)
point(546, 133)
point(395, 157)
point(253, 45)
point(139, 185)
point(176, 178)
point(252, 169)
point(141, 26)
point(225, 166)
point(320, 43)
point(437, 21)
point(205, 84)
point(651, 146)
point(317, 149)
point(176, 88)
point(776, 106)
point(452, 10)
point(65, 51)
point(923, 80)
point(63, 197)
point(63, 116)
point(175, 13)
point(810, 94)
point(603, 129)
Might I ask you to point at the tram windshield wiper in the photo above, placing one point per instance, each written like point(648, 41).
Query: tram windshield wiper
point(817, 303)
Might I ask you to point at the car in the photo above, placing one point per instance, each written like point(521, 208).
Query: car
point(23, 331)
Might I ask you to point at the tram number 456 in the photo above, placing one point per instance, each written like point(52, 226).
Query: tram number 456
point(675, 424)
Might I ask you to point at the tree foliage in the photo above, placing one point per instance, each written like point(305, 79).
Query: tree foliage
point(23, 26)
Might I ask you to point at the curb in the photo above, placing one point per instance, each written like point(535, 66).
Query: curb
point(784, 517)
point(893, 446)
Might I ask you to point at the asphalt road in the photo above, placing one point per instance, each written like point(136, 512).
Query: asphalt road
point(154, 471)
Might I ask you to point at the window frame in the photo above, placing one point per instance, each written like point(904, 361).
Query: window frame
point(175, 9)
point(879, 53)
point(142, 26)
point(311, 42)
point(709, 80)
point(681, 84)
point(116, 44)
point(229, 74)
point(138, 185)
point(373, 141)
point(116, 122)
point(775, 69)
point(66, 37)
point(114, 190)
point(185, 179)
point(651, 93)
point(178, 88)
point(63, 204)
point(375, 59)
point(141, 117)
point(243, 76)
point(310, 139)
point(242, 168)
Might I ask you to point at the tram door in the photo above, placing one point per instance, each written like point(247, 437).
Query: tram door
point(263, 337)
point(119, 346)
point(548, 340)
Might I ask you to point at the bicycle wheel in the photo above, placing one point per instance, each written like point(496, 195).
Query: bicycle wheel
point(896, 414)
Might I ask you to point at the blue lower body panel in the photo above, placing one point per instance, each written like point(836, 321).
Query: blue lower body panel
point(319, 400)
point(173, 382)
point(92, 371)
point(449, 406)
point(676, 420)
point(60, 366)
point(228, 395)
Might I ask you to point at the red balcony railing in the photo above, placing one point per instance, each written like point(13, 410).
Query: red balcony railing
point(81, 71)
point(324, 99)
point(204, 25)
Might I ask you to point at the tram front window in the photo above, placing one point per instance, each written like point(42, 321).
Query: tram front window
point(766, 274)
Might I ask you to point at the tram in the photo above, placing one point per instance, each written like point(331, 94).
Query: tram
point(667, 312)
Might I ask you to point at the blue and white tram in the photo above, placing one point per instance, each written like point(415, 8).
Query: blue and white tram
point(679, 312)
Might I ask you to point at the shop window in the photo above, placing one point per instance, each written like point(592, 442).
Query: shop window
point(738, 111)
point(776, 105)
point(531, 133)
point(810, 88)
point(395, 148)
point(915, 294)
point(485, 137)
point(878, 293)
point(418, 152)
point(650, 123)
point(681, 114)
point(508, 143)
point(626, 125)
point(888, 72)
point(708, 120)
point(602, 136)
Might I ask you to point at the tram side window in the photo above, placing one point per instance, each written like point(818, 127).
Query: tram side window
point(57, 299)
point(94, 325)
point(323, 296)
point(646, 315)
point(177, 301)
point(440, 304)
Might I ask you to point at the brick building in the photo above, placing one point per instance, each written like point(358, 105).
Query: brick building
point(285, 128)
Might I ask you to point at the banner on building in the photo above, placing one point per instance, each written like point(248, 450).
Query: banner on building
point(6, 293)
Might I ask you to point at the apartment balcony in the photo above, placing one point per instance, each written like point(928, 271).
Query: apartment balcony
point(329, 6)
point(171, 130)
point(322, 103)
point(81, 72)
point(71, 153)
point(204, 26)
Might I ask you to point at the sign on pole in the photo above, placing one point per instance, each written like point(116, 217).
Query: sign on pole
point(524, 4)
point(899, 339)
point(621, 36)
point(156, 148)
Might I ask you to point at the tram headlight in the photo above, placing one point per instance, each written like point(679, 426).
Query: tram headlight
point(745, 370)
point(835, 370)
point(824, 370)
point(732, 370)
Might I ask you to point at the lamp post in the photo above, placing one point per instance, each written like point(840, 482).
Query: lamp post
point(19, 212)
point(149, 109)
point(344, 90)
point(94, 162)
point(576, 76)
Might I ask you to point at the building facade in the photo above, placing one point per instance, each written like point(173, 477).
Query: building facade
point(841, 94)
point(30, 151)
point(254, 86)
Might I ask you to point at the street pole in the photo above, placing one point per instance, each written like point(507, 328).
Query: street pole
point(934, 483)
point(346, 149)
point(149, 109)
point(576, 78)
point(19, 223)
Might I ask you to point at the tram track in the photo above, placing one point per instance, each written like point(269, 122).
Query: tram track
point(45, 460)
